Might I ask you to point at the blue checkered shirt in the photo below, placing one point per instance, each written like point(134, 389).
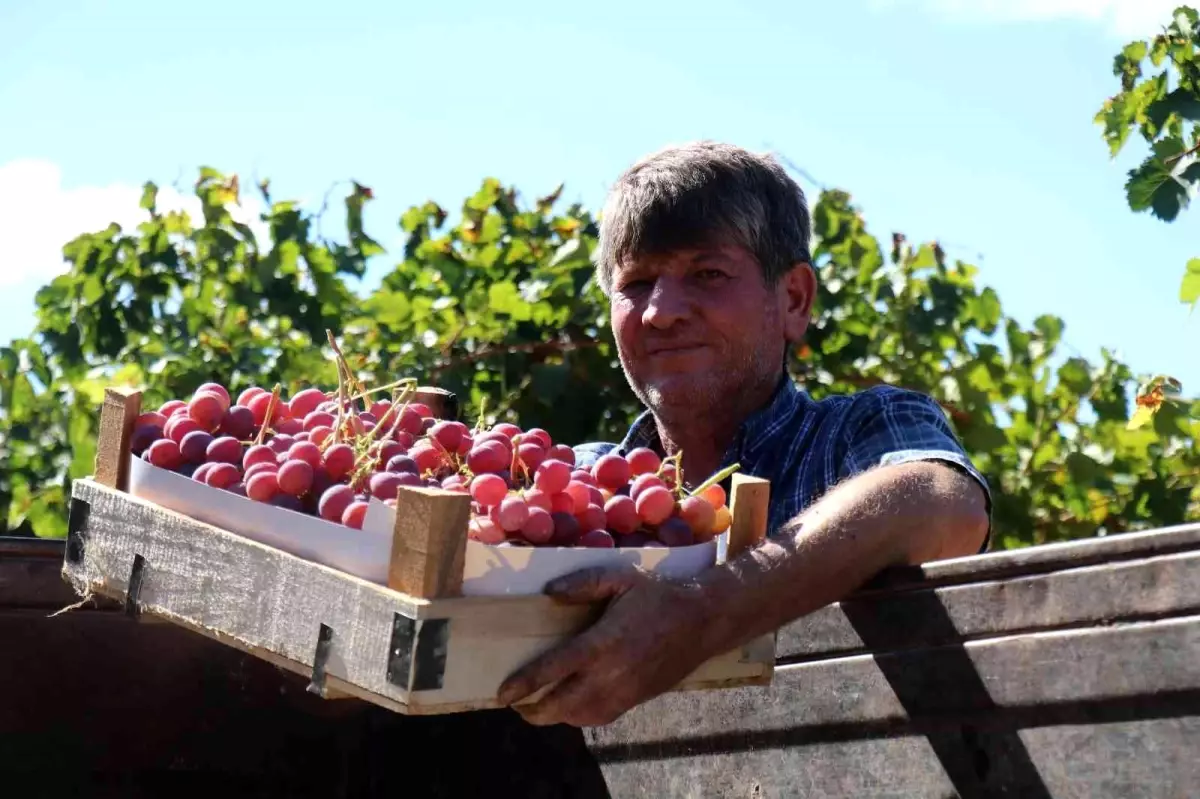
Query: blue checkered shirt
point(805, 447)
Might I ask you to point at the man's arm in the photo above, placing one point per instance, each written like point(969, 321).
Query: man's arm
point(907, 514)
point(655, 632)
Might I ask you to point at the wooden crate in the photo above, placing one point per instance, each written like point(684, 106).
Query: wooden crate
point(415, 646)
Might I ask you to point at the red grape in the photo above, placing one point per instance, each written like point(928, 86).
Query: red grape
point(319, 419)
point(222, 475)
point(258, 406)
point(258, 468)
point(643, 482)
point(487, 457)
point(410, 479)
point(179, 426)
point(402, 464)
point(532, 455)
point(288, 502)
point(504, 441)
point(722, 521)
point(675, 532)
point(464, 446)
point(249, 394)
point(421, 409)
point(305, 402)
point(281, 442)
point(538, 527)
point(449, 434)
point(455, 482)
point(655, 504)
point(566, 529)
point(334, 502)
point(153, 418)
point(194, 447)
point(389, 450)
point(409, 421)
point(611, 472)
point(169, 408)
point(643, 461)
point(562, 503)
point(289, 426)
point(225, 450)
point(301, 436)
point(259, 453)
point(488, 489)
point(295, 477)
point(384, 485)
point(507, 430)
point(164, 454)
point(484, 530)
point(670, 475)
point(512, 514)
point(319, 434)
point(143, 437)
point(262, 486)
point(355, 514)
point(698, 514)
point(592, 518)
point(620, 514)
point(406, 440)
point(597, 539)
point(218, 389)
point(552, 476)
point(561, 452)
point(206, 410)
point(305, 451)
point(427, 458)
point(583, 476)
point(427, 424)
point(366, 417)
point(715, 495)
point(201, 473)
point(380, 408)
point(539, 435)
point(537, 498)
point(238, 422)
point(579, 493)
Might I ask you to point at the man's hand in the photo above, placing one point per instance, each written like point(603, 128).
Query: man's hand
point(649, 638)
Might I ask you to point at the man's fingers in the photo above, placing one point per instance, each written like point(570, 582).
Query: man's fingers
point(592, 584)
point(546, 669)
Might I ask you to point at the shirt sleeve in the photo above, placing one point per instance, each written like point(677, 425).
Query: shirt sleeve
point(890, 426)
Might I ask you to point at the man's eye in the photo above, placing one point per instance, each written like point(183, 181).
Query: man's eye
point(634, 286)
point(710, 274)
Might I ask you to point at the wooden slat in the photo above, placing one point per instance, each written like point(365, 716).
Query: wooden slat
point(1040, 559)
point(1091, 595)
point(117, 415)
point(942, 685)
point(748, 503)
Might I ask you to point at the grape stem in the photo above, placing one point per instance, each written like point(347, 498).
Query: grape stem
point(716, 478)
point(266, 425)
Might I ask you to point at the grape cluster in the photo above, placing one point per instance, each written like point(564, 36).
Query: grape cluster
point(327, 454)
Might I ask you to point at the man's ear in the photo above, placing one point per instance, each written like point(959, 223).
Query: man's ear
point(798, 291)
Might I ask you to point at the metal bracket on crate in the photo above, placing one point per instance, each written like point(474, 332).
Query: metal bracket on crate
point(417, 653)
point(133, 593)
point(77, 519)
point(316, 684)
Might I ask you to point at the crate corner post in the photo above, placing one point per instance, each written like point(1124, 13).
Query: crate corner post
point(120, 410)
point(429, 542)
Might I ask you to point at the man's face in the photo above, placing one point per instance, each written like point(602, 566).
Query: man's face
point(697, 329)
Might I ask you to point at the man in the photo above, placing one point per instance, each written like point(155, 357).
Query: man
point(704, 254)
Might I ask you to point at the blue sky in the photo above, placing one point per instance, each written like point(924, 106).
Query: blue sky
point(964, 121)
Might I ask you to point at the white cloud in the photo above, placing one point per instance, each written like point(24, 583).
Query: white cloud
point(38, 216)
point(1125, 19)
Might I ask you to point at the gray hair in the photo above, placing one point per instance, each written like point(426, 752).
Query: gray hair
point(705, 193)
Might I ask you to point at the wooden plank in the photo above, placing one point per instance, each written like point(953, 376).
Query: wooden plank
point(1147, 759)
point(441, 403)
point(1040, 559)
point(951, 684)
point(272, 604)
point(117, 415)
point(429, 542)
point(1091, 595)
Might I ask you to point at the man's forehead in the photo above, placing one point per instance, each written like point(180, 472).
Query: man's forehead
point(694, 254)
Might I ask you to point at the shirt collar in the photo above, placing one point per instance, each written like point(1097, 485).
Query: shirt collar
point(755, 433)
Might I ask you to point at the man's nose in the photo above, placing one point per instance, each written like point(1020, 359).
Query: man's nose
point(668, 304)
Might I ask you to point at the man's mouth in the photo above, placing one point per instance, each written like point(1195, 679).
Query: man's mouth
point(673, 349)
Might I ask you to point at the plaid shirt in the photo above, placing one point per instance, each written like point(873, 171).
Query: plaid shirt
point(805, 447)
